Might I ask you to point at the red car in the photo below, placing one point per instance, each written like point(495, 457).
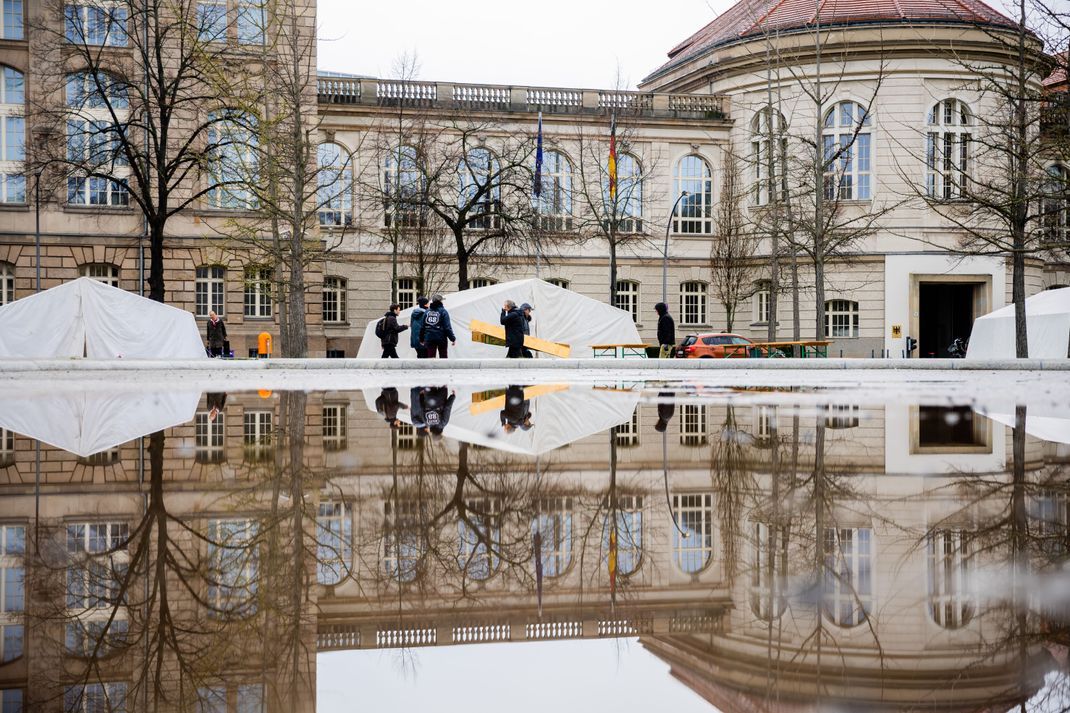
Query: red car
point(719, 345)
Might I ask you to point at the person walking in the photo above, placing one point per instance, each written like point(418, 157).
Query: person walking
point(217, 334)
point(416, 321)
point(526, 310)
point(666, 331)
point(388, 330)
point(513, 321)
point(387, 405)
point(437, 330)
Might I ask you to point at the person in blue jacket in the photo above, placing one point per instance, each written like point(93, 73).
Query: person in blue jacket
point(436, 330)
point(416, 323)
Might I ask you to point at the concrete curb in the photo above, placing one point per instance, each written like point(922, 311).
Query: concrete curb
point(23, 366)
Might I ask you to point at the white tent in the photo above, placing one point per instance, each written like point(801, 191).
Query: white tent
point(560, 414)
point(1047, 325)
point(560, 315)
point(88, 422)
point(88, 318)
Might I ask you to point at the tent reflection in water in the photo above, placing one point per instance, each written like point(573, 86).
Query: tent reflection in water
point(559, 414)
point(560, 315)
point(86, 318)
point(1047, 323)
point(87, 421)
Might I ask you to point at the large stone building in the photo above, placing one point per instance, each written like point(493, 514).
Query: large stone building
point(899, 95)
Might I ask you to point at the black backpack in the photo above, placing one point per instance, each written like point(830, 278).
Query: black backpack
point(380, 328)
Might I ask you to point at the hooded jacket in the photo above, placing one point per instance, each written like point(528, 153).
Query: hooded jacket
point(437, 327)
point(666, 330)
point(391, 330)
point(416, 321)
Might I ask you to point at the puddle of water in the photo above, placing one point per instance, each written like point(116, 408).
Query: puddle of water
point(630, 544)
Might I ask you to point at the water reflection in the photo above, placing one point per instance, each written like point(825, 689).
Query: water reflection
point(776, 550)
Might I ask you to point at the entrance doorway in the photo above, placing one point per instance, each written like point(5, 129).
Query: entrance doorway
point(946, 310)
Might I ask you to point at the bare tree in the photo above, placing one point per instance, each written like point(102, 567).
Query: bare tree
point(735, 243)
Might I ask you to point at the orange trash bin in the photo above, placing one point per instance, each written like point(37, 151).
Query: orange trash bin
point(263, 346)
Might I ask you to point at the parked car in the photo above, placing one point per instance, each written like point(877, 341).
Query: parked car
point(713, 346)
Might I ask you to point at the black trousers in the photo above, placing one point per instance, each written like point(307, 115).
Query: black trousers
point(216, 351)
point(515, 353)
point(390, 353)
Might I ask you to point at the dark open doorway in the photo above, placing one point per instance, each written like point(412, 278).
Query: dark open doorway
point(945, 311)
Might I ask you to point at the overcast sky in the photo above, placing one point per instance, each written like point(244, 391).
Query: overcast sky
point(569, 43)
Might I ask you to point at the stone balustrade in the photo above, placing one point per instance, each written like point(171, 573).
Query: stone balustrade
point(363, 91)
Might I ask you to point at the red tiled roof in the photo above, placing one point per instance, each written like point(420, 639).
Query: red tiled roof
point(755, 17)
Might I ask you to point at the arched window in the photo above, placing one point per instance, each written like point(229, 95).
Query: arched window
point(950, 570)
point(555, 194)
point(334, 180)
point(95, 23)
point(770, 164)
point(769, 570)
point(553, 524)
point(628, 206)
point(335, 296)
point(848, 575)
point(403, 187)
point(694, 215)
point(95, 140)
point(334, 542)
point(1056, 208)
point(403, 538)
point(234, 161)
point(841, 319)
point(693, 549)
point(628, 297)
point(12, 136)
point(209, 290)
point(11, 20)
point(479, 189)
point(7, 283)
point(480, 538)
point(625, 523)
point(102, 272)
point(693, 301)
point(947, 149)
point(847, 152)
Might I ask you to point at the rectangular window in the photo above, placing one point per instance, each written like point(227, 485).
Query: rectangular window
point(209, 437)
point(693, 425)
point(334, 300)
point(406, 292)
point(628, 298)
point(13, 22)
point(334, 528)
point(209, 290)
point(212, 20)
point(95, 698)
point(233, 567)
point(103, 24)
point(761, 306)
point(102, 272)
point(256, 434)
point(693, 303)
point(481, 282)
point(14, 144)
point(12, 589)
point(258, 303)
point(334, 427)
point(250, 22)
point(7, 446)
point(841, 319)
point(627, 433)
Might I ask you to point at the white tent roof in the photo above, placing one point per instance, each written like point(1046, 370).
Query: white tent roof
point(1047, 325)
point(560, 315)
point(85, 317)
point(558, 417)
point(88, 422)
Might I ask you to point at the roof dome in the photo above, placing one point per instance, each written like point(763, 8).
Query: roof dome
point(750, 18)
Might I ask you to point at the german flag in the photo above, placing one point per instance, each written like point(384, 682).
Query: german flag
point(613, 160)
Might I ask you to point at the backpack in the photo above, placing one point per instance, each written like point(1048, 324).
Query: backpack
point(432, 318)
point(380, 328)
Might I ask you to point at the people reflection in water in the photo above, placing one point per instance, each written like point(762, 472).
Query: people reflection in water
point(215, 403)
point(387, 405)
point(666, 409)
point(517, 411)
point(431, 408)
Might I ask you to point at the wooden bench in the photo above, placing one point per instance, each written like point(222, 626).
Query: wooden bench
point(619, 351)
point(812, 349)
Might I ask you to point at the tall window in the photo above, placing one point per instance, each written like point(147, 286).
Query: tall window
point(481, 282)
point(212, 20)
point(251, 22)
point(403, 538)
point(626, 519)
point(480, 535)
point(95, 698)
point(769, 569)
point(12, 136)
point(693, 428)
point(403, 187)
point(7, 447)
point(765, 422)
point(334, 538)
point(406, 292)
point(334, 195)
point(480, 188)
point(96, 23)
point(256, 434)
point(841, 319)
point(951, 600)
point(97, 564)
point(94, 140)
point(627, 434)
point(12, 591)
point(12, 19)
point(102, 272)
point(7, 283)
point(11, 700)
point(1056, 206)
point(208, 289)
point(628, 207)
point(693, 547)
point(770, 175)
point(555, 198)
point(233, 161)
point(762, 303)
point(233, 567)
point(209, 437)
point(258, 292)
point(335, 296)
point(628, 297)
point(846, 152)
point(947, 149)
point(693, 303)
point(694, 215)
point(334, 427)
point(848, 575)
point(553, 523)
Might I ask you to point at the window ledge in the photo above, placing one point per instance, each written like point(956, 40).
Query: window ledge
point(336, 325)
point(851, 202)
point(15, 207)
point(98, 210)
point(227, 213)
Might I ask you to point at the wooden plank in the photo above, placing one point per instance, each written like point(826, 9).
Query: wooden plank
point(494, 334)
point(497, 403)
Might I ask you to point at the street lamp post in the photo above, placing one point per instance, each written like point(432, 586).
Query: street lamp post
point(665, 251)
point(37, 226)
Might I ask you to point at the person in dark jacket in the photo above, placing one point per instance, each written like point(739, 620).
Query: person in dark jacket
point(517, 411)
point(526, 310)
point(666, 330)
point(387, 405)
point(513, 321)
point(217, 334)
point(416, 321)
point(437, 329)
point(436, 405)
point(666, 409)
point(388, 331)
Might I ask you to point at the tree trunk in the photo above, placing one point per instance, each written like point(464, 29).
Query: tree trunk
point(156, 281)
point(462, 263)
point(295, 338)
point(1021, 336)
point(613, 272)
point(819, 298)
point(796, 320)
